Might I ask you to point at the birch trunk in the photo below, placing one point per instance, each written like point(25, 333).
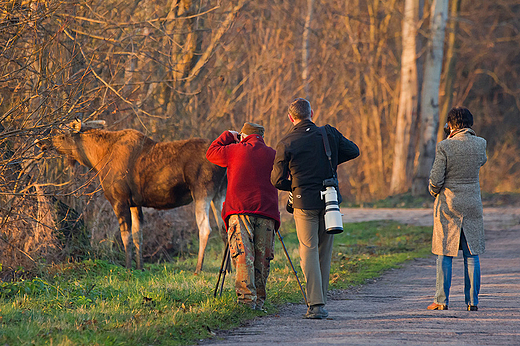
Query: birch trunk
point(305, 50)
point(402, 167)
point(430, 96)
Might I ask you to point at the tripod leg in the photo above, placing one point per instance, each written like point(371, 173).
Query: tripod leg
point(227, 257)
point(294, 270)
point(222, 269)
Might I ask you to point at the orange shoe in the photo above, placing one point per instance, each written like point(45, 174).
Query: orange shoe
point(435, 306)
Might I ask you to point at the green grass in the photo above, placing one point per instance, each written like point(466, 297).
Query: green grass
point(98, 303)
point(406, 200)
point(500, 199)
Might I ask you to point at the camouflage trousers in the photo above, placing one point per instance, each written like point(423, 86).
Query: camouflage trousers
point(251, 245)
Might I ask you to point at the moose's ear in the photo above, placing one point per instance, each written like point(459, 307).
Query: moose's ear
point(94, 124)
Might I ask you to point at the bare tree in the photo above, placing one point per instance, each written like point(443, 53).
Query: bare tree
point(402, 167)
point(430, 96)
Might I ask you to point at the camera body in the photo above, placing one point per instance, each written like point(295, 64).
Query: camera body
point(446, 130)
point(289, 206)
point(331, 182)
point(333, 217)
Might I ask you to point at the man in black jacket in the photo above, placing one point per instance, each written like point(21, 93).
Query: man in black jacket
point(300, 166)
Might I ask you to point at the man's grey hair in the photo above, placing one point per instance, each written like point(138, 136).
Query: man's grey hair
point(300, 109)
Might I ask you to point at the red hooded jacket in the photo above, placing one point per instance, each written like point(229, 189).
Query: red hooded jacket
point(249, 165)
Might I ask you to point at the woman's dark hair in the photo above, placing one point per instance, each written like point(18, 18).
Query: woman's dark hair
point(459, 118)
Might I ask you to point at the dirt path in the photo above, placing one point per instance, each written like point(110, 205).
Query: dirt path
point(392, 309)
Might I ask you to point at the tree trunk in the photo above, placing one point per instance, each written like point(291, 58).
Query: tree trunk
point(449, 67)
point(430, 96)
point(402, 168)
point(305, 50)
point(183, 50)
point(215, 39)
point(44, 222)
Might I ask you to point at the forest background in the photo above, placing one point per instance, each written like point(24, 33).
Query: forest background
point(178, 69)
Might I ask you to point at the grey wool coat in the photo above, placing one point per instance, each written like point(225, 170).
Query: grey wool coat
point(454, 182)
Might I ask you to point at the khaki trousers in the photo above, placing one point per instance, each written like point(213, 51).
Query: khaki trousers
point(251, 246)
point(315, 252)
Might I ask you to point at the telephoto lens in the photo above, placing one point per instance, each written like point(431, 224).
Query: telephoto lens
point(333, 217)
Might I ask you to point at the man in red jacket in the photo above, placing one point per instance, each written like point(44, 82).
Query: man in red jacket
point(251, 208)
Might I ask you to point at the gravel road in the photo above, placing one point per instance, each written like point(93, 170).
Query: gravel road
point(391, 310)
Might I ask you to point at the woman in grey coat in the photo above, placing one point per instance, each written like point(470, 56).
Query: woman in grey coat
point(458, 222)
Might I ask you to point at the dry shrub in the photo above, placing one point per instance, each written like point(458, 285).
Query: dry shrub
point(38, 228)
point(169, 233)
point(23, 240)
point(502, 171)
point(166, 233)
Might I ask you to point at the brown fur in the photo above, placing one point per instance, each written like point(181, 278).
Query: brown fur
point(135, 171)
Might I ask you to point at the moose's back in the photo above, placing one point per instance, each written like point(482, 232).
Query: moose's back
point(169, 174)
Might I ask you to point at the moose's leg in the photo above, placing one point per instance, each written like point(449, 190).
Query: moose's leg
point(202, 216)
point(216, 206)
point(125, 223)
point(137, 235)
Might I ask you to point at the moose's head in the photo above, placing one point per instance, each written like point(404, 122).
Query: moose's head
point(67, 139)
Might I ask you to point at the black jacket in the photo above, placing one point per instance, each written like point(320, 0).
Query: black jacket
point(301, 164)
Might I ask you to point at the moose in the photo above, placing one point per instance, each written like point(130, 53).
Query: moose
point(136, 171)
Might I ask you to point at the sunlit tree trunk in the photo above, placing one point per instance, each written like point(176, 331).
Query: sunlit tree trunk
point(402, 168)
point(449, 66)
point(305, 50)
point(183, 39)
point(430, 96)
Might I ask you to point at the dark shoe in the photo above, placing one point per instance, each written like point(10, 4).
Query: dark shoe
point(316, 312)
point(472, 308)
point(435, 306)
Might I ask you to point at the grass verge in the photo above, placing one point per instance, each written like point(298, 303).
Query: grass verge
point(406, 200)
point(98, 303)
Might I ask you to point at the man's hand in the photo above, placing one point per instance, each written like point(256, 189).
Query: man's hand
point(235, 135)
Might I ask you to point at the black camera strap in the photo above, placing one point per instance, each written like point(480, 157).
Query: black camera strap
point(327, 148)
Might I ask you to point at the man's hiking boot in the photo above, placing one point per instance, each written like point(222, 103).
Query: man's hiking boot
point(316, 312)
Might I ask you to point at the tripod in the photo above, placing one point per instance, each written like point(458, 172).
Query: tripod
point(225, 264)
point(223, 269)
